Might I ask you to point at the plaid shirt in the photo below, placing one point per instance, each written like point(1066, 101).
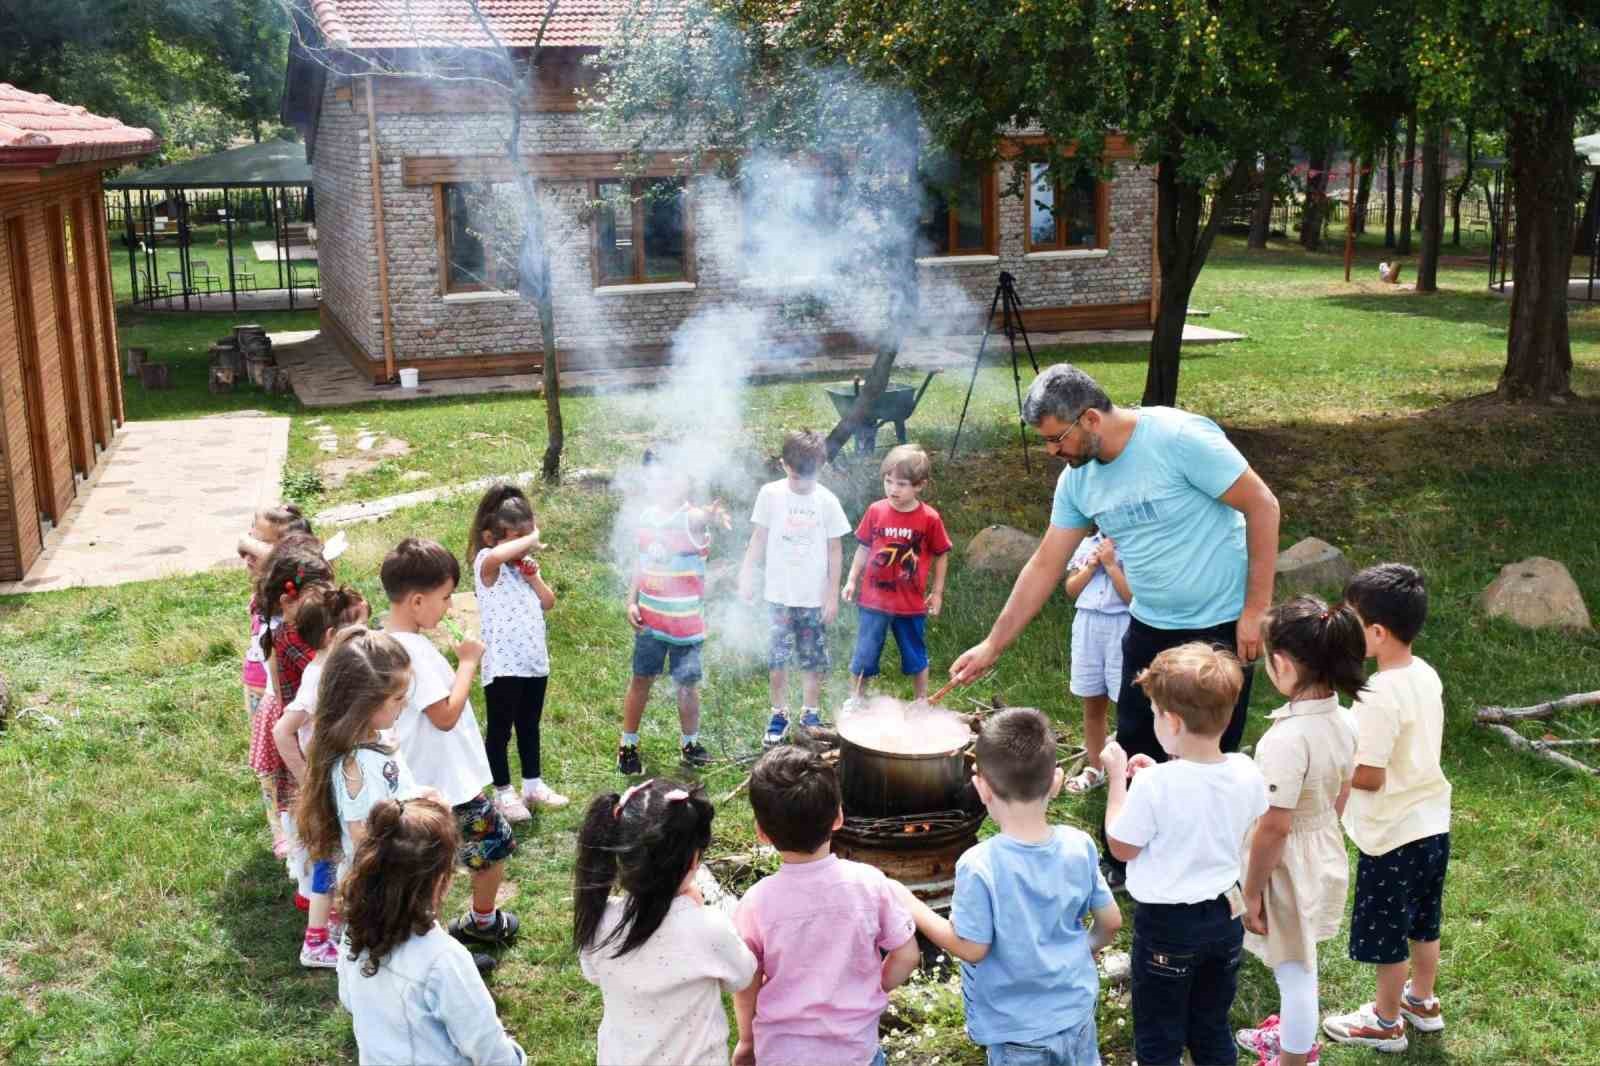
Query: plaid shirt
point(292, 654)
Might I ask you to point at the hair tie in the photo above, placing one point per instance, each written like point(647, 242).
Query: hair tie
point(616, 812)
point(1327, 613)
point(289, 589)
point(677, 795)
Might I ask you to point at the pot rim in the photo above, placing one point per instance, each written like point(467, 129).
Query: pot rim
point(846, 742)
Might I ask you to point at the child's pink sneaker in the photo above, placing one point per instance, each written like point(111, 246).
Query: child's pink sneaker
point(323, 956)
point(1263, 1042)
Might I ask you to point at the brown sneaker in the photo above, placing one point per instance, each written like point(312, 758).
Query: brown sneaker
point(1362, 1027)
point(1425, 1015)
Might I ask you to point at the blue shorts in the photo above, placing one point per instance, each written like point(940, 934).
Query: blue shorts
point(1399, 898)
point(322, 877)
point(486, 836)
point(1078, 1046)
point(910, 636)
point(651, 655)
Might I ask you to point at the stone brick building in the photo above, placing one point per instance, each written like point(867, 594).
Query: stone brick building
point(406, 282)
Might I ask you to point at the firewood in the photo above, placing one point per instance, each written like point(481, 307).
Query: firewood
point(1487, 715)
point(1541, 748)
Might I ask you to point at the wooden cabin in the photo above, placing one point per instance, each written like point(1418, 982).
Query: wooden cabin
point(60, 390)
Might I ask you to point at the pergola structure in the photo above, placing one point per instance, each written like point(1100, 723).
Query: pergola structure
point(1503, 223)
point(162, 207)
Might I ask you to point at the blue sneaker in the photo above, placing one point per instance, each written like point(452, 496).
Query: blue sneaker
point(810, 719)
point(776, 728)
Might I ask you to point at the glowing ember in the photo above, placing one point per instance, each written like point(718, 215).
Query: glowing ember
point(901, 728)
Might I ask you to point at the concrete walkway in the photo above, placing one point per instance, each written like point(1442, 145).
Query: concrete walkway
point(167, 498)
point(323, 377)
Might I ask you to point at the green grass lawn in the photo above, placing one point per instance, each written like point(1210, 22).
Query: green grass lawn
point(145, 922)
point(207, 244)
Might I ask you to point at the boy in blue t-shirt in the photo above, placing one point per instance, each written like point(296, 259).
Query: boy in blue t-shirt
point(1027, 962)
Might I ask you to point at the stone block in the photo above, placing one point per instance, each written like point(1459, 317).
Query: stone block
point(1536, 593)
point(1001, 550)
point(1312, 565)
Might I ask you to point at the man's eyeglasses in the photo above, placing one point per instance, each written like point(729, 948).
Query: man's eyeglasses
point(1059, 437)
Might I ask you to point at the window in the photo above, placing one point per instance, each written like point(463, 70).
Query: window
point(480, 236)
point(1063, 215)
point(958, 210)
point(641, 232)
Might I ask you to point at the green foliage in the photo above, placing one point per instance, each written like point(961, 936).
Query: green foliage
point(301, 484)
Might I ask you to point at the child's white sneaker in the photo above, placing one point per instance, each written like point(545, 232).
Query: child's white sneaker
point(1425, 1015)
point(510, 804)
point(323, 956)
point(1364, 1028)
point(542, 795)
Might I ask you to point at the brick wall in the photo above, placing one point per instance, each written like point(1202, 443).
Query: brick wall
point(598, 325)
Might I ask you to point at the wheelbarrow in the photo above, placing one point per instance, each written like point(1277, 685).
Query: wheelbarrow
point(896, 404)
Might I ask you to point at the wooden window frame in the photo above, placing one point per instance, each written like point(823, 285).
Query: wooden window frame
point(1102, 218)
point(22, 293)
point(989, 195)
point(441, 218)
point(639, 277)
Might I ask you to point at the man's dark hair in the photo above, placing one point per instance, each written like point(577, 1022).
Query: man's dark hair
point(1017, 754)
point(417, 565)
point(805, 450)
point(795, 795)
point(1391, 595)
point(1064, 392)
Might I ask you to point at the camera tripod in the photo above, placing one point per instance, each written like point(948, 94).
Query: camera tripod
point(1010, 306)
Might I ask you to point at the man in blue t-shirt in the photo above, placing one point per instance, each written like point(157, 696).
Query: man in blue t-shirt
point(1197, 530)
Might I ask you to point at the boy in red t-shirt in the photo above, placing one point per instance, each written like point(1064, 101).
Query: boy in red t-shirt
point(900, 538)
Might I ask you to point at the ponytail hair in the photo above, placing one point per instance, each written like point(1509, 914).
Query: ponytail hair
point(324, 610)
point(396, 875)
point(643, 841)
point(504, 507)
point(1326, 643)
point(293, 565)
point(364, 668)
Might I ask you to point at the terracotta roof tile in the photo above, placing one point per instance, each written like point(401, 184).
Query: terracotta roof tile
point(36, 131)
point(373, 24)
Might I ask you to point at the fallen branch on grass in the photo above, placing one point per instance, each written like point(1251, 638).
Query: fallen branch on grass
point(1495, 720)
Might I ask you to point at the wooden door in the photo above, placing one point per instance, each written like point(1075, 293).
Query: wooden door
point(78, 431)
point(32, 380)
point(94, 350)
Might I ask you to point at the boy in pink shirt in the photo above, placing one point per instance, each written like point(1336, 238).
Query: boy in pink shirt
point(819, 928)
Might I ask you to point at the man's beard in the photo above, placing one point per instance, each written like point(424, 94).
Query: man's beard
point(1091, 452)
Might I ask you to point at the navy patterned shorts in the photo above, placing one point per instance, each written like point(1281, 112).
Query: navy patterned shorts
point(798, 635)
point(486, 836)
point(1399, 898)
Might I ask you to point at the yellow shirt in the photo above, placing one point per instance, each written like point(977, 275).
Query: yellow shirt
point(1400, 728)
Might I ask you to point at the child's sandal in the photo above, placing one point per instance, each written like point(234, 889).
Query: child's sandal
point(1086, 780)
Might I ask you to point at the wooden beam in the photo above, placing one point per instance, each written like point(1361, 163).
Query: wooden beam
point(548, 166)
point(383, 244)
point(21, 176)
point(1117, 146)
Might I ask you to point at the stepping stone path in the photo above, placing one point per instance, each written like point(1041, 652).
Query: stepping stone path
point(335, 472)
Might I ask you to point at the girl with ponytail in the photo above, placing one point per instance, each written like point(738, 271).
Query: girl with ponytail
point(662, 957)
point(413, 992)
point(1297, 874)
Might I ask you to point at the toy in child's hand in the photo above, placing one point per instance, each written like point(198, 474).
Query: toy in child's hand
point(1139, 762)
point(451, 626)
point(528, 567)
point(335, 546)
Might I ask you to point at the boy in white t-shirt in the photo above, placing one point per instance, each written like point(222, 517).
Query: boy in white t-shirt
point(1398, 815)
point(438, 734)
point(1181, 831)
point(798, 524)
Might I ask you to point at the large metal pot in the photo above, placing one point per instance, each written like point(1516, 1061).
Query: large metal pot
point(878, 784)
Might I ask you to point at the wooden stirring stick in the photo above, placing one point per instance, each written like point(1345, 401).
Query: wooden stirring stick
point(942, 693)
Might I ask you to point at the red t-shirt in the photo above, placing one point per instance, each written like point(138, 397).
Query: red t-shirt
point(900, 549)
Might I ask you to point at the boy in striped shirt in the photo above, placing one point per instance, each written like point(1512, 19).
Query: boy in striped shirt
point(674, 539)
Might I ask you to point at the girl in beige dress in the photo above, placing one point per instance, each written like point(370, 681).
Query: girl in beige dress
point(1296, 871)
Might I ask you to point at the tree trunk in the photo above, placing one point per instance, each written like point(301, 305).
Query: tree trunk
point(1432, 208)
point(1460, 192)
point(1316, 200)
point(1364, 191)
point(1182, 244)
point(1261, 216)
point(1407, 169)
point(1388, 214)
point(1538, 348)
point(872, 387)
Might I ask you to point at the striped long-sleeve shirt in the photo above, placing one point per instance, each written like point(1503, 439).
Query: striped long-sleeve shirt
point(671, 575)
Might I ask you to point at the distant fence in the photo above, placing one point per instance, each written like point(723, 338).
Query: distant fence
point(206, 205)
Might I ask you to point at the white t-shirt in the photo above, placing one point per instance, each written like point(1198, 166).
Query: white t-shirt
point(305, 699)
point(1400, 727)
point(451, 761)
point(1190, 818)
point(663, 1000)
point(513, 624)
point(384, 775)
point(798, 528)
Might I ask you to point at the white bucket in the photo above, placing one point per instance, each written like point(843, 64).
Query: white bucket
point(408, 377)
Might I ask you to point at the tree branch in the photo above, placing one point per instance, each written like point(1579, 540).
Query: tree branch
point(1488, 715)
point(1542, 750)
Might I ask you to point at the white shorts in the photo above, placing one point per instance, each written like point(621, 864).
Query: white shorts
point(1097, 653)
